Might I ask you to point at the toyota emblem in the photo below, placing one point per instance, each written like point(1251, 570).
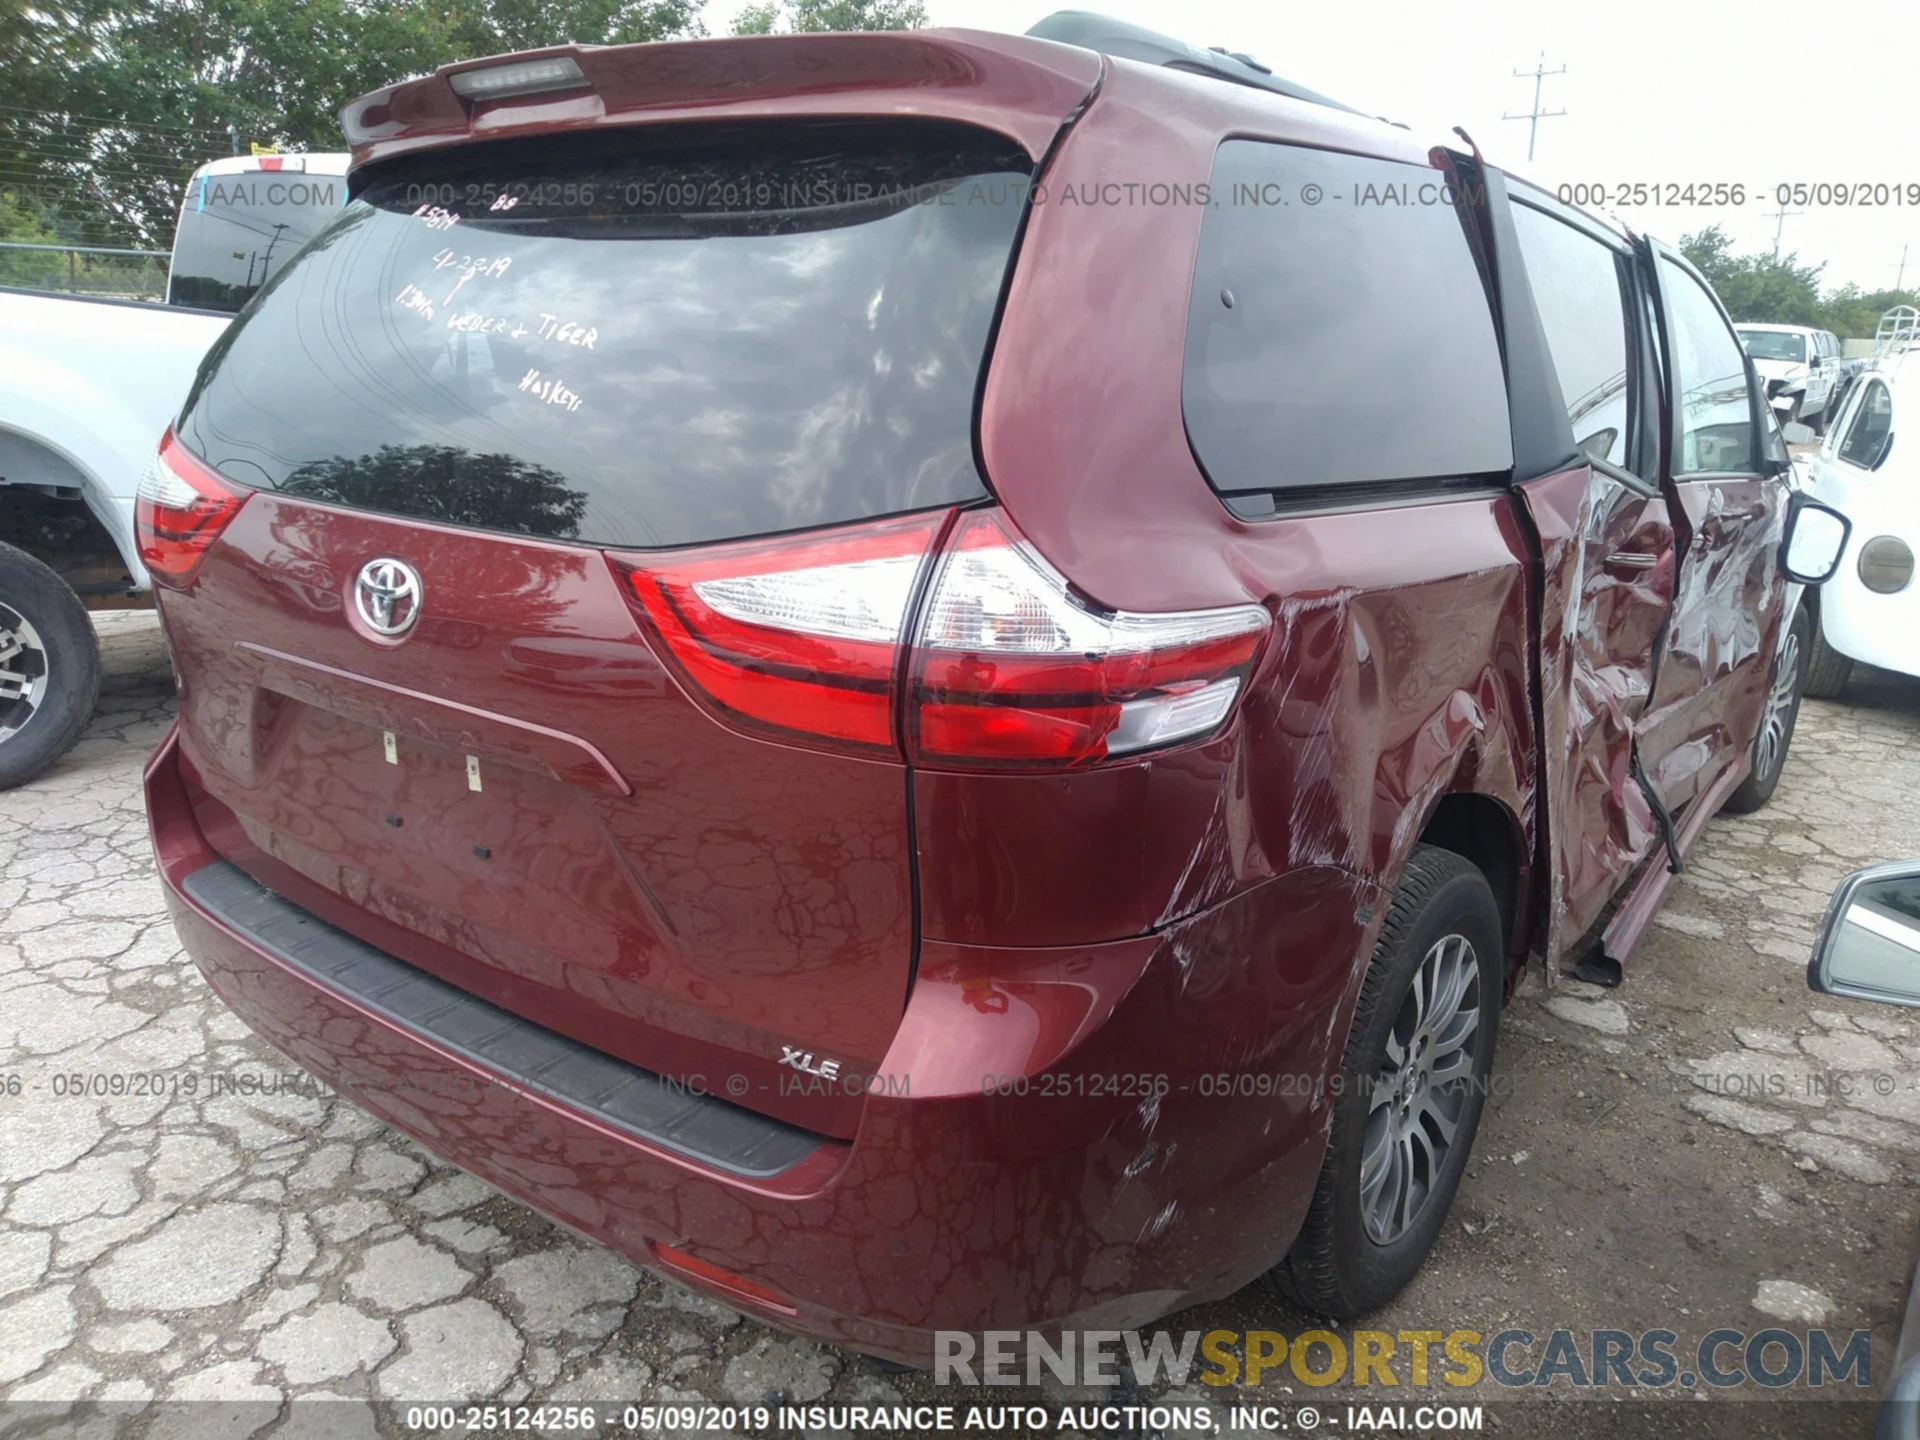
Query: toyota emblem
point(387, 595)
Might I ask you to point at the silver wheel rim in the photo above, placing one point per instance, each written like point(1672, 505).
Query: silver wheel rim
point(23, 672)
point(1771, 745)
point(1421, 1090)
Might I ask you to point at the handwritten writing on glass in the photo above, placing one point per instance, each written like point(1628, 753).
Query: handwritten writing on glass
point(436, 218)
point(469, 268)
point(566, 332)
point(412, 297)
point(478, 322)
point(549, 391)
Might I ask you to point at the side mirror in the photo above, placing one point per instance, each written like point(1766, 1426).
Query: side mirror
point(1816, 540)
point(1869, 945)
point(1794, 433)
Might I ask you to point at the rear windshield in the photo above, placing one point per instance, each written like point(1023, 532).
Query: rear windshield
point(629, 345)
point(237, 231)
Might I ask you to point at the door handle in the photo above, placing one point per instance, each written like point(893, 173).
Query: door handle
point(1633, 560)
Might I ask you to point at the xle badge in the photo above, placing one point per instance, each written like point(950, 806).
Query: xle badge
point(803, 1061)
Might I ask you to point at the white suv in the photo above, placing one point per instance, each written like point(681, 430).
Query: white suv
point(1797, 364)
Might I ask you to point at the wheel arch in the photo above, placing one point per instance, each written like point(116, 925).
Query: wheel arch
point(1484, 831)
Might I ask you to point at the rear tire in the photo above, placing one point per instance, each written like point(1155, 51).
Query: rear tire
point(1414, 1073)
point(1827, 670)
point(1774, 737)
point(49, 667)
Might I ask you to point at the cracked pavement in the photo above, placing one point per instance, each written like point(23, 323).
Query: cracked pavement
point(186, 1232)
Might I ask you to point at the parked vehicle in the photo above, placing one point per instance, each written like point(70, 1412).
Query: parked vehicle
point(1800, 365)
point(86, 385)
point(1870, 610)
point(1869, 949)
point(862, 731)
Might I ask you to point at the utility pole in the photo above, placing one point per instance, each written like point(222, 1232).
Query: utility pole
point(1534, 116)
point(1900, 275)
point(1780, 218)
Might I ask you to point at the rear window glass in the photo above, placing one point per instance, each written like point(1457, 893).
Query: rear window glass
point(757, 330)
point(1339, 331)
point(237, 231)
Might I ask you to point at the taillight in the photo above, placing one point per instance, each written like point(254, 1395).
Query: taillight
point(800, 639)
point(796, 638)
point(181, 508)
point(1011, 669)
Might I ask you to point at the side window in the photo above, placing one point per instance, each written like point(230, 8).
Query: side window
point(1338, 343)
point(1866, 441)
point(1576, 288)
point(1709, 378)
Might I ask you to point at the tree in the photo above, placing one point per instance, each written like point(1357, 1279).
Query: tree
point(110, 104)
point(1756, 287)
point(767, 17)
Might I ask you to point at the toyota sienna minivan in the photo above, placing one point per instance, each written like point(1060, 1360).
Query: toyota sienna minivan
point(938, 681)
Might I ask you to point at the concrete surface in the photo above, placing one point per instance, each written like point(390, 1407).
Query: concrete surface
point(256, 1248)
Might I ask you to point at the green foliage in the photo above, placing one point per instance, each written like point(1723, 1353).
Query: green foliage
point(23, 224)
point(1784, 292)
point(110, 104)
point(766, 17)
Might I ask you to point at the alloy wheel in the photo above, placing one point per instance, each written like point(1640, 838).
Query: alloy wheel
point(1421, 1089)
point(23, 672)
point(1770, 748)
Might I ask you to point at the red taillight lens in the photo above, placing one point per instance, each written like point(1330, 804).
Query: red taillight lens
point(797, 638)
point(1012, 670)
point(181, 508)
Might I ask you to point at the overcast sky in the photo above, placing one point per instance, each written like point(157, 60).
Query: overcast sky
point(1757, 93)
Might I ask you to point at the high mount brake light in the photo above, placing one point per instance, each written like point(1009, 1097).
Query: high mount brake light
point(800, 639)
point(180, 510)
point(1012, 670)
point(797, 638)
point(521, 77)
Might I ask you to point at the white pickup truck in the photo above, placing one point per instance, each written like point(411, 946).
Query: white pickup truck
point(87, 385)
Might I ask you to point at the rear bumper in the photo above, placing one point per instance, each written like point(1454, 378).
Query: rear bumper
point(1080, 1200)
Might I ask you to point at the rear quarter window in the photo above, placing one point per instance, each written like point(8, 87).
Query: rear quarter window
point(634, 341)
point(1338, 330)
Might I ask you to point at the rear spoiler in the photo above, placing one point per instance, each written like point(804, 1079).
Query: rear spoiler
point(1020, 87)
point(1135, 42)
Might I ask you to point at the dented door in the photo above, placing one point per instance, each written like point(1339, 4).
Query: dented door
point(1607, 567)
point(1729, 593)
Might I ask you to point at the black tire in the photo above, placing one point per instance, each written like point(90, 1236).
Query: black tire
point(1784, 690)
point(1827, 670)
point(1337, 1267)
point(51, 663)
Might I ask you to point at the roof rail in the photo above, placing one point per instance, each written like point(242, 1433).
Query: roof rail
point(1108, 36)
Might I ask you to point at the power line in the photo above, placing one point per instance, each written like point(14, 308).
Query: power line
point(1534, 116)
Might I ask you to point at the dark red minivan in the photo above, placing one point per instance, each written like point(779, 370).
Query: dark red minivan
point(937, 681)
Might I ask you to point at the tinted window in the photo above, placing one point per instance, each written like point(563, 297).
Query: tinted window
point(1866, 440)
point(757, 330)
point(1709, 381)
point(1576, 288)
point(1358, 344)
point(236, 231)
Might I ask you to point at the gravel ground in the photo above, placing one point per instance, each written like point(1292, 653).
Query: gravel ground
point(257, 1249)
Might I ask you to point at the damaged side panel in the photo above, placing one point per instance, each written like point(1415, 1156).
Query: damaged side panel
point(1607, 566)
